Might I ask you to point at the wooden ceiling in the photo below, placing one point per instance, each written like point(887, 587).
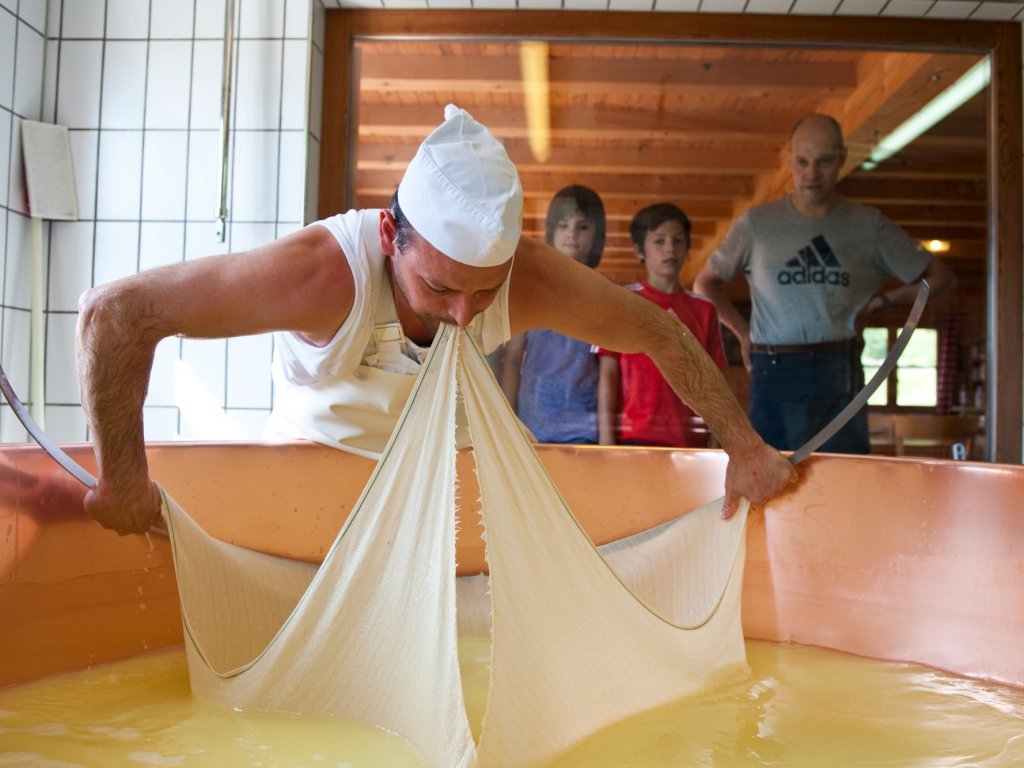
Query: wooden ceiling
point(704, 126)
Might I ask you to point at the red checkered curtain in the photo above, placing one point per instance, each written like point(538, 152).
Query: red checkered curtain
point(948, 363)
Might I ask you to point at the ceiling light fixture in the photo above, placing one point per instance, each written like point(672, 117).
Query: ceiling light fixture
point(936, 246)
point(967, 87)
point(533, 62)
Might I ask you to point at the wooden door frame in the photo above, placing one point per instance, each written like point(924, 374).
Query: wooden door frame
point(1000, 40)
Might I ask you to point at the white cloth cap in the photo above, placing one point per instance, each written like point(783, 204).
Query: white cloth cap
point(461, 192)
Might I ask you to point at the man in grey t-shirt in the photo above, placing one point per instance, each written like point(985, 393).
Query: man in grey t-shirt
point(814, 261)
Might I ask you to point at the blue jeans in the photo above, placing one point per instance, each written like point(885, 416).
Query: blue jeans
point(794, 395)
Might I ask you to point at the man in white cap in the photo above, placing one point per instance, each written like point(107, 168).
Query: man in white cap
point(354, 301)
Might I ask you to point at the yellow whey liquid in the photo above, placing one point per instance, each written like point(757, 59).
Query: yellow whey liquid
point(798, 707)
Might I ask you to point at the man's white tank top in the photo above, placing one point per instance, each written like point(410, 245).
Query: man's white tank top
point(349, 393)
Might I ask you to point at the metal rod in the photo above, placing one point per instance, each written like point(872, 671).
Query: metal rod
point(225, 120)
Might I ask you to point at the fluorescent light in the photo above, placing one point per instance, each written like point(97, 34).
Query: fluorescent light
point(533, 62)
point(967, 87)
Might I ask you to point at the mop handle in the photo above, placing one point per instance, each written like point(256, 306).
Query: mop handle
point(40, 437)
point(881, 374)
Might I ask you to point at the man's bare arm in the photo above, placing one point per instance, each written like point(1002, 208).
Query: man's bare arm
point(548, 292)
point(300, 283)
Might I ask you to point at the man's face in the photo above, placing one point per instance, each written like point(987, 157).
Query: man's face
point(815, 160)
point(437, 288)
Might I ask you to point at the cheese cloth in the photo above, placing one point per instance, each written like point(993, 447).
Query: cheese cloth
point(371, 634)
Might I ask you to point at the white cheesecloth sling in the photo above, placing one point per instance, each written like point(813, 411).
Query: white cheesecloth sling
point(371, 635)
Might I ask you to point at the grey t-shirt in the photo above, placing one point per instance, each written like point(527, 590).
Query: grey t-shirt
point(809, 278)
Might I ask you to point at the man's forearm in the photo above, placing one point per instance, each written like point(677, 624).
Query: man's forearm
point(115, 344)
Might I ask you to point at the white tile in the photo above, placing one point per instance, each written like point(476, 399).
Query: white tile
point(18, 274)
point(171, 19)
point(10, 5)
point(907, 8)
point(61, 378)
point(124, 84)
point(312, 178)
point(119, 175)
point(769, 6)
point(319, 24)
point(17, 195)
point(722, 6)
point(127, 19)
point(991, 11)
point(4, 215)
point(254, 176)
point(160, 423)
point(33, 13)
point(164, 167)
point(210, 19)
point(250, 423)
point(163, 242)
point(11, 430)
point(815, 7)
point(8, 32)
point(50, 81)
point(388, 4)
point(161, 379)
point(296, 85)
point(78, 84)
point(316, 93)
point(66, 423)
point(203, 175)
point(578, 5)
point(52, 17)
point(952, 9)
point(83, 162)
point(258, 85)
point(7, 149)
point(117, 251)
point(292, 180)
point(298, 18)
point(860, 7)
point(82, 18)
point(468, 4)
point(168, 86)
point(70, 265)
point(201, 240)
point(260, 18)
point(247, 236)
point(676, 6)
point(207, 69)
point(207, 359)
point(28, 90)
point(285, 228)
point(249, 371)
point(15, 349)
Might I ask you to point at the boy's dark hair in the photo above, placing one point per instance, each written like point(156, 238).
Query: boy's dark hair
point(652, 217)
point(575, 198)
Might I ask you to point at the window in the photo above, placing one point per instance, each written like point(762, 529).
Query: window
point(914, 382)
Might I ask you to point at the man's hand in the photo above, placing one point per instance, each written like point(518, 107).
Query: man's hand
point(130, 511)
point(756, 475)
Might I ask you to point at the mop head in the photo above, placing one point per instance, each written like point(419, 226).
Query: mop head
point(580, 637)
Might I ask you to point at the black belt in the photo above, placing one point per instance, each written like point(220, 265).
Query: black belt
point(790, 349)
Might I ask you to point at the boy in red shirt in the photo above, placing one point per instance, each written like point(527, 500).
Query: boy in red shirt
point(635, 404)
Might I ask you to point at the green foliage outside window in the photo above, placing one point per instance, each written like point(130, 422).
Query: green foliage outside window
point(914, 382)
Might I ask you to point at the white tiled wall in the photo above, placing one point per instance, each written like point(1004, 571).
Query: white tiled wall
point(138, 84)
